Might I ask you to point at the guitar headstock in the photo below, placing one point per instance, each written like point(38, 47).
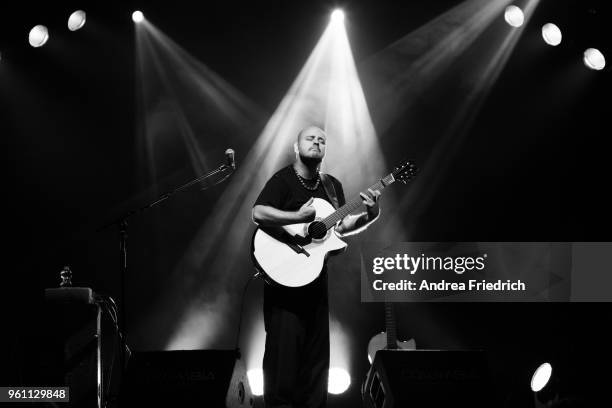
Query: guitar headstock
point(405, 172)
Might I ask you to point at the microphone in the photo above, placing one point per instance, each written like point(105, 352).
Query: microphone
point(229, 157)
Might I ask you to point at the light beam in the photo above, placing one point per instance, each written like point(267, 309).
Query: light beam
point(405, 76)
point(186, 114)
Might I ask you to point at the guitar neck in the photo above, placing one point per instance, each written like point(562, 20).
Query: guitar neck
point(390, 326)
point(355, 203)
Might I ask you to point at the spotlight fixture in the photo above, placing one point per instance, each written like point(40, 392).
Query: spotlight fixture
point(137, 16)
point(594, 59)
point(551, 34)
point(38, 36)
point(256, 379)
point(514, 16)
point(76, 20)
point(339, 380)
point(540, 377)
point(337, 16)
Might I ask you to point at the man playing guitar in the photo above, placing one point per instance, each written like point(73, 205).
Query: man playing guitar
point(296, 358)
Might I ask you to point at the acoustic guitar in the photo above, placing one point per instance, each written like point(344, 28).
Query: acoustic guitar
point(293, 255)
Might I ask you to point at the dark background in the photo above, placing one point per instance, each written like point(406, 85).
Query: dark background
point(533, 166)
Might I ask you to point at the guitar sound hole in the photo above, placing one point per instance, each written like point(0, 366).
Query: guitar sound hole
point(317, 230)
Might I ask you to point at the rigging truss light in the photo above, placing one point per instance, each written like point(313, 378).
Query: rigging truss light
point(540, 377)
point(38, 36)
point(551, 34)
point(514, 16)
point(339, 380)
point(337, 16)
point(76, 20)
point(594, 59)
point(256, 380)
point(137, 16)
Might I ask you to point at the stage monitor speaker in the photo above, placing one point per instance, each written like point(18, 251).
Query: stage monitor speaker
point(427, 378)
point(186, 378)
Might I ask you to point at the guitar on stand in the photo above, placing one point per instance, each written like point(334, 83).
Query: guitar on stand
point(387, 340)
point(293, 255)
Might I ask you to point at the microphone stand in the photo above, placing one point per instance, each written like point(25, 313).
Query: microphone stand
point(122, 224)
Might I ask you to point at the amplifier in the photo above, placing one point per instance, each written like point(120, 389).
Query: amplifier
point(426, 378)
point(186, 378)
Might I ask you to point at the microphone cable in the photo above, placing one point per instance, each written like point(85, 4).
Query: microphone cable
point(244, 291)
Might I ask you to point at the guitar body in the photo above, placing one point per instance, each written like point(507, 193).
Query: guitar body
point(380, 342)
point(286, 255)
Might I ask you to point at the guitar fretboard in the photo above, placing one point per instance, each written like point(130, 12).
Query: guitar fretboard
point(390, 326)
point(355, 203)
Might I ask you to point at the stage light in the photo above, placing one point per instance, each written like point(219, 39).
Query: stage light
point(339, 380)
point(514, 16)
point(255, 377)
point(137, 16)
point(337, 16)
point(540, 377)
point(594, 59)
point(76, 20)
point(551, 34)
point(38, 36)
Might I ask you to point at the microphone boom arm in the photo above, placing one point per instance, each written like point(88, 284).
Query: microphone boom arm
point(123, 218)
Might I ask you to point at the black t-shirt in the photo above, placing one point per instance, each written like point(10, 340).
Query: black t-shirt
point(284, 192)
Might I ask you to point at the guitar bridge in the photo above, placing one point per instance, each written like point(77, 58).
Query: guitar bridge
point(298, 249)
point(292, 241)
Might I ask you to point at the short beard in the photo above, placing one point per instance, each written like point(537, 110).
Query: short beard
point(311, 162)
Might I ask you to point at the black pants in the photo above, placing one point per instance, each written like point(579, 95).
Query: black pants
point(296, 359)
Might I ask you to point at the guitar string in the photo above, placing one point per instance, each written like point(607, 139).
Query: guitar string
point(321, 227)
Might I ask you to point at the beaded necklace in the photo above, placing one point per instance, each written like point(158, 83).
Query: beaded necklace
point(301, 180)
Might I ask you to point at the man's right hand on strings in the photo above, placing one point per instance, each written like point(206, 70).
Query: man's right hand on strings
point(307, 212)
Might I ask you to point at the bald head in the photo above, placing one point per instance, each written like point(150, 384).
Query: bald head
point(311, 130)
